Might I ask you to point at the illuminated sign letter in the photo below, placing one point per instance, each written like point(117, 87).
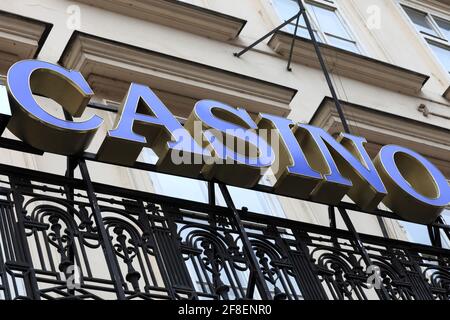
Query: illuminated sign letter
point(295, 177)
point(240, 155)
point(417, 190)
point(144, 121)
point(346, 166)
point(32, 124)
point(5, 109)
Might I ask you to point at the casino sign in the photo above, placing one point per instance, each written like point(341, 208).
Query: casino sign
point(310, 163)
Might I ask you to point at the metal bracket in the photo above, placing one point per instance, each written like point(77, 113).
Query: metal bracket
point(295, 17)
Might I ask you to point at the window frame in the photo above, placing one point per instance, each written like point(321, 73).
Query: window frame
point(428, 39)
point(333, 6)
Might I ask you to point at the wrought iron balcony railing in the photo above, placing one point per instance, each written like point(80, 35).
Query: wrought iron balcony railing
point(127, 244)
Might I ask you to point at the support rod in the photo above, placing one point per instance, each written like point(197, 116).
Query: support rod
point(70, 173)
point(324, 67)
point(332, 89)
point(240, 53)
point(254, 264)
point(291, 50)
point(106, 245)
point(211, 193)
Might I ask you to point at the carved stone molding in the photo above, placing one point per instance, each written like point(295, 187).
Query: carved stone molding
point(110, 66)
point(349, 64)
point(177, 14)
point(20, 38)
point(381, 128)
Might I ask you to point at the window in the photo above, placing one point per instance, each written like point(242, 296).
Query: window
point(421, 21)
point(328, 25)
point(435, 31)
point(196, 190)
point(442, 53)
point(419, 233)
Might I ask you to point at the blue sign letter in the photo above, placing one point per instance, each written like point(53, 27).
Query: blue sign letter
point(240, 155)
point(35, 126)
point(417, 190)
point(295, 177)
point(359, 178)
point(144, 120)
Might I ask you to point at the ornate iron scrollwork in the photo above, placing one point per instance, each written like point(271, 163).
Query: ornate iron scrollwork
point(166, 249)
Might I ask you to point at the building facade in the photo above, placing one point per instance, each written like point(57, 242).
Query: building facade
point(133, 233)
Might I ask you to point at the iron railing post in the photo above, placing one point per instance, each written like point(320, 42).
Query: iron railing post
point(70, 173)
point(211, 193)
point(435, 236)
point(97, 214)
point(362, 250)
point(326, 73)
point(24, 255)
point(105, 240)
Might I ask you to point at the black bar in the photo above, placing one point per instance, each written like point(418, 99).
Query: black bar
point(291, 50)
point(97, 214)
point(238, 54)
point(324, 68)
point(104, 107)
point(254, 264)
point(70, 172)
point(24, 256)
point(211, 193)
point(106, 244)
point(17, 145)
point(382, 226)
point(332, 217)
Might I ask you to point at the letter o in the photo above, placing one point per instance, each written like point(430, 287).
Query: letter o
point(417, 190)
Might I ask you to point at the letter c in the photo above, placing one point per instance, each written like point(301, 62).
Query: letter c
point(35, 126)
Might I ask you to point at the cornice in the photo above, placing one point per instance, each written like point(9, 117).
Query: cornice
point(177, 14)
point(20, 38)
point(110, 66)
point(351, 65)
point(447, 93)
point(382, 128)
